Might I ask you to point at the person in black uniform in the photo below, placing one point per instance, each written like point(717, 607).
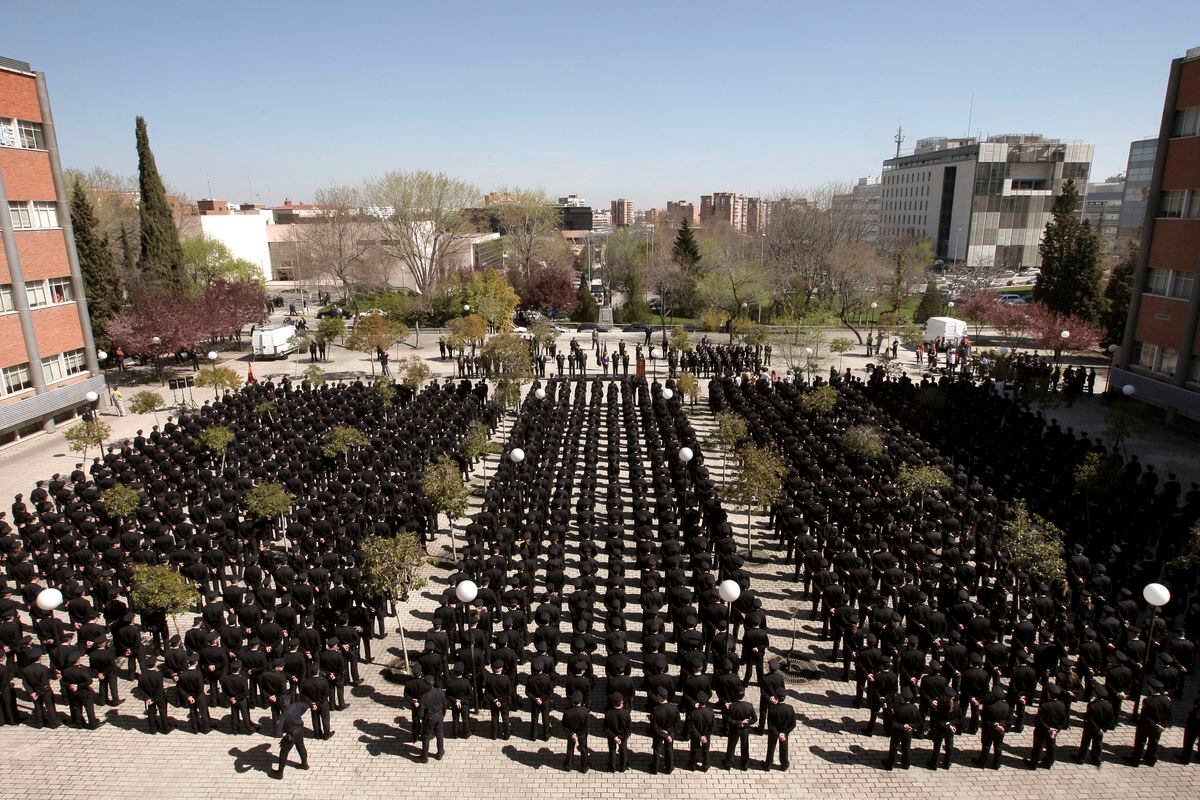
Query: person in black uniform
point(906, 718)
point(945, 721)
point(701, 723)
point(773, 684)
point(738, 719)
point(994, 721)
point(235, 689)
point(433, 716)
point(191, 690)
point(290, 729)
point(151, 682)
point(664, 719)
point(617, 725)
point(1098, 718)
point(1153, 718)
point(498, 691)
point(575, 722)
point(276, 694)
point(1191, 734)
point(81, 697)
point(36, 678)
point(781, 721)
point(458, 690)
point(1051, 718)
point(316, 691)
point(540, 691)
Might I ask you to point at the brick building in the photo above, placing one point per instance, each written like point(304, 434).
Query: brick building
point(47, 356)
point(622, 212)
point(1160, 354)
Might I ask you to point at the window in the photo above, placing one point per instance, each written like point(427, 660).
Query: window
point(36, 292)
point(1029, 184)
point(6, 299)
point(1182, 283)
point(1167, 359)
point(1187, 122)
point(1192, 207)
point(31, 135)
point(52, 369)
point(74, 361)
point(20, 215)
point(61, 290)
point(8, 137)
point(1172, 204)
point(16, 378)
point(45, 214)
point(1158, 281)
point(1145, 355)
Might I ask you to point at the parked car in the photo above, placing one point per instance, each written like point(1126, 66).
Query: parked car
point(333, 311)
point(635, 327)
point(371, 312)
point(273, 341)
point(519, 329)
point(1012, 299)
point(588, 326)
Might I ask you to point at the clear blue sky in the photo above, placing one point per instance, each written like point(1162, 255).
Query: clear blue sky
point(649, 100)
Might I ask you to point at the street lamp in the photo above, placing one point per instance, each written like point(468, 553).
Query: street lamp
point(212, 356)
point(1157, 596)
point(49, 599)
point(685, 454)
point(653, 362)
point(1112, 356)
point(539, 393)
point(1128, 390)
point(730, 591)
point(667, 394)
point(871, 329)
point(808, 362)
point(516, 456)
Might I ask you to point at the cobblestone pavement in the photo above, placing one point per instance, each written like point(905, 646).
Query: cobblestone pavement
point(371, 754)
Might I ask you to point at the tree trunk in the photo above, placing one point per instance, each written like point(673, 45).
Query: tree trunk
point(749, 541)
point(403, 642)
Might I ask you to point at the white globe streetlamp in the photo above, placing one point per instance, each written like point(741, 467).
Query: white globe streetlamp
point(91, 397)
point(466, 591)
point(49, 599)
point(685, 454)
point(539, 393)
point(667, 394)
point(212, 355)
point(1128, 390)
point(101, 355)
point(516, 455)
point(729, 591)
point(1156, 595)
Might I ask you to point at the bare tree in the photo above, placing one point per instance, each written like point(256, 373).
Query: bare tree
point(339, 242)
point(529, 224)
point(855, 271)
point(422, 221)
point(732, 279)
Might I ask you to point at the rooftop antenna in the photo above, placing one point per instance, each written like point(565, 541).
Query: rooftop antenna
point(971, 114)
point(209, 179)
point(899, 138)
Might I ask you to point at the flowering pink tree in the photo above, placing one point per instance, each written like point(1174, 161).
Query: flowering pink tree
point(979, 309)
point(155, 325)
point(1045, 329)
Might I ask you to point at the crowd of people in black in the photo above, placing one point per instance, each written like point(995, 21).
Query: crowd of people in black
point(942, 630)
point(284, 617)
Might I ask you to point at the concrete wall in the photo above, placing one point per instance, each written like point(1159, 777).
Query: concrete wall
point(244, 234)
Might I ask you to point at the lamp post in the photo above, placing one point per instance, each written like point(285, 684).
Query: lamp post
point(1128, 390)
point(871, 325)
point(466, 591)
point(49, 599)
point(516, 456)
point(667, 394)
point(539, 393)
point(730, 591)
point(1112, 356)
point(1157, 596)
point(653, 363)
point(1063, 336)
point(808, 362)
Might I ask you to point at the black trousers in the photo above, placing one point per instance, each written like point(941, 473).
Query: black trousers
point(156, 714)
point(320, 719)
point(736, 736)
point(81, 703)
point(1093, 740)
point(460, 719)
point(433, 729)
point(901, 744)
point(239, 715)
point(661, 747)
point(942, 736)
point(537, 712)
point(501, 726)
point(618, 755)
point(45, 711)
point(585, 755)
point(1191, 734)
point(198, 714)
point(290, 740)
point(774, 741)
point(1042, 740)
point(993, 742)
point(1146, 740)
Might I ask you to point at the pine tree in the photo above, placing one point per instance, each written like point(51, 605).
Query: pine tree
point(128, 262)
point(161, 260)
point(931, 304)
point(1118, 291)
point(588, 310)
point(1070, 279)
point(102, 285)
point(685, 253)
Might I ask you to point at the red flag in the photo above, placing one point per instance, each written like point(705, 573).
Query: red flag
point(250, 375)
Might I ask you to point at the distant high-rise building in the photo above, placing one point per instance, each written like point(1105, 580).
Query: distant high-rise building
point(601, 218)
point(679, 210)
point(1160, 353)
point(984, 203)
point(757, 215)
point(727, 207)
point(48, 363)
point(496, 198)
point(572, 201)
point(863, 203)
point(1138, 173)
point(654, 216)
point(1102, 209)
point(622, 212)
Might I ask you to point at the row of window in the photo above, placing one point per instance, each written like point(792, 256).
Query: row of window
point(46, 292)
point(907, 205)
point(908, 177)
point(1184, 203)
point(1170, 283)
point(16, 379)
point(1164, 360)
point(33, 214)
point(1187, 122)
point(21, 133)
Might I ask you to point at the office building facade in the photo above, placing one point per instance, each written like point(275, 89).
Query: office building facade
point(1102, 210)
point(1138, 172)
point(1160, 353)
point(622, 212)
point(47, 355)
point(983, 203)
point(863, 203)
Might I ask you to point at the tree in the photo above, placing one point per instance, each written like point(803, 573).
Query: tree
point(161, 260)
point(225, 307)
point(1118, 292)
point(217, 439)
point(1034, 544)
point(102, 286)
point(550, 290)
point(1069, 282)
point(120, 500)
point(910, 257)
point(636, 309)
point(415, 372)
point(330, 328)
point(932, 304)
point(685, 252)
point(492, 297)
point(391, 566)
point(586, 308)
point(109, 195)
point(979, 309)
point(920, 480)
point(477, 443)
point(91, 433)
point(422, 223)
point(341, 439)
point(853, 272)
point(442, 483)
point(689, 385)
point(679, 339)
point(470, 328)
point(268, 501)
point(758, 482)
point(820, 401)
point(206, 260)
point(314, 375)
point(219, 379)
point(1045, 328)
point(863, 442)
point(841, 345)
point(128, 262)
point(543, 331)
point(341, 240)
point(731, 281)
point(372, 334)
point(147, 403)
point(157, 587)
point(528, 221)
point(731, 432)
point(511, 364)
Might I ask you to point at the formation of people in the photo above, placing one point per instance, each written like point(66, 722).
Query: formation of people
point(920, 597)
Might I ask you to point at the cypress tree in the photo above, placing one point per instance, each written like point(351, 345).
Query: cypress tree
point(685, 253)
point(128, 262)
point(588, 310)
point(931, 304)
point(161, 260)
point(1117, 294)
point(102, 285)
point(1070, 279)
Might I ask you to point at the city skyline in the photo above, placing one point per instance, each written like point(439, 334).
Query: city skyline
point(261, 105)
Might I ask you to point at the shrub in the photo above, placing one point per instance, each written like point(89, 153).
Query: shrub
point(863, 442)
point(268, 501)
point(820, 401)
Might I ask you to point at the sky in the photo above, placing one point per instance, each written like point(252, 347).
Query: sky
point(651, 100)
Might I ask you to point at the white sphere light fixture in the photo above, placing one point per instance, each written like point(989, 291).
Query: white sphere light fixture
point(466, 591)
point(667, 394)
point(1112, 348)
point(1156, 594)
point(1065, 334)
point(212, 355)
point(100, 354)
point(540, 393)
point(1128, 390)
point(729, 591)
point(49, 599)
point(685, 454)
point(874, 305)
point(91, 397)
point(155, 340)
point(517, 455)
